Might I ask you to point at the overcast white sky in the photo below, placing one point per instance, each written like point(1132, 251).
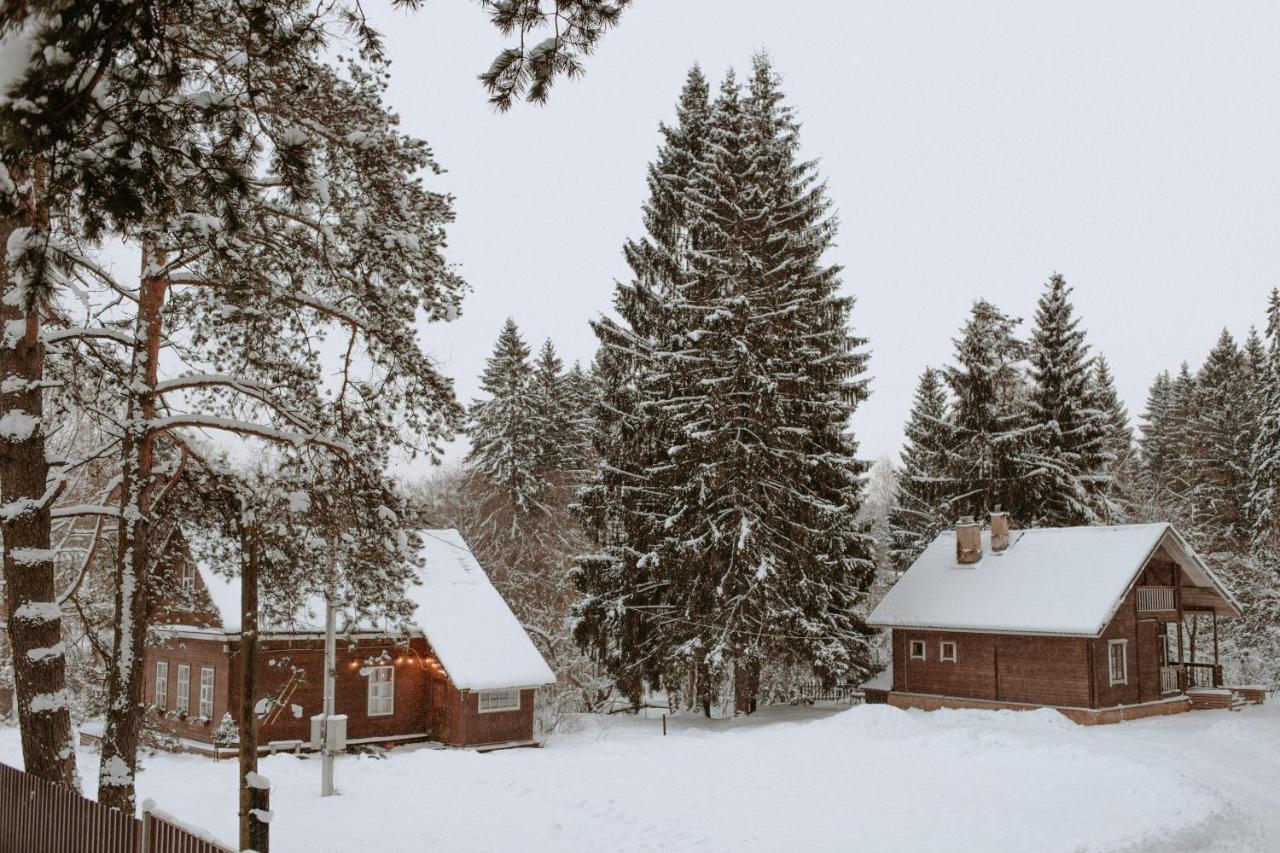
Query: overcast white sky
point(971, 150)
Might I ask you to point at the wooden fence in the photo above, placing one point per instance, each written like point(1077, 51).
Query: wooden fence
point(808, 692)
point(39, 817)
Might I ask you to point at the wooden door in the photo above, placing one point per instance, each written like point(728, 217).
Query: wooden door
point(1150, 657)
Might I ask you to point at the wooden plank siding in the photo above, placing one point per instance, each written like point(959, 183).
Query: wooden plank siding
point(1039, 670)
point(426, 703)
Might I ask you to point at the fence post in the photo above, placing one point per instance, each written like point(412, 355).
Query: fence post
point(144, 834)
point(259, 817)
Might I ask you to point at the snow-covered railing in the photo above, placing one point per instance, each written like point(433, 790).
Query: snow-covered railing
point(1168, 679)
point(1156, 598)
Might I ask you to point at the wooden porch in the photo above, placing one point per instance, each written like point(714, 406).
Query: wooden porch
point(1187, 666)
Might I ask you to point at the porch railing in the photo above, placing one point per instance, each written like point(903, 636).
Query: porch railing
point(1168, 679)
point(1199, 674)
point(1156, 598)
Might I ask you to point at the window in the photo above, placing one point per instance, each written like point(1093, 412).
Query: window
point(382, 691)
point(917, 649)
point(1118, 656)
point(499, 700)
point(161, 698)
point(187, 579)
point(182, 702)
point(206, 692)
point(947, 651)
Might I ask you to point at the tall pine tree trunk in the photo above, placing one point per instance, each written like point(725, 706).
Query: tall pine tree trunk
point(125, 706)
point(254, 833)
point(34, 619)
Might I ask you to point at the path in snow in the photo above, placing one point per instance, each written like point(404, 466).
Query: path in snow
point(869, 778)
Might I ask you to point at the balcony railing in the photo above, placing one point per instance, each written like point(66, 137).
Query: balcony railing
point(1168, 679)
point(1156, 598)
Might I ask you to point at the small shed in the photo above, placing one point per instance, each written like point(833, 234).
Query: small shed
point(465, 673)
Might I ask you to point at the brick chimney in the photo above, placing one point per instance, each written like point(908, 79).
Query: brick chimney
point(968, 541)
point(999, 530)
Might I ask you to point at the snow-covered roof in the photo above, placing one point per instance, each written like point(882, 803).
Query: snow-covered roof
point(479, 641)
point(477, 638)
point(224, 592)
point(1067, 580)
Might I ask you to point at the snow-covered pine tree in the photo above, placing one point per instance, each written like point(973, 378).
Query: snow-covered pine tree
point(990, 428)
point(1067, 451)
point(1118, 432)
point(509, 449)
point(1219, 441)
point(1120, 463)
point(624, 593)
point(748, 549)
point(1264, 461)
point(28, 492)
point(578, 395)
point(357, 253)
point(920, 509)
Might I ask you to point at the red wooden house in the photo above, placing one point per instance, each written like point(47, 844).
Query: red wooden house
point(1101, 623)
point(464, 675)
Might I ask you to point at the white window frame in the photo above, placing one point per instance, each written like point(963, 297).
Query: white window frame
point(1124, 662)
point(160, 698)
point(187, 579)
point(498, 701)
point(206, 692)
point(182, 698)
point(942, 651)
point(380, 704)
point(911, 649)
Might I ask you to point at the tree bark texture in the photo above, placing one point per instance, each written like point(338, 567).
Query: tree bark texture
point(33, 618)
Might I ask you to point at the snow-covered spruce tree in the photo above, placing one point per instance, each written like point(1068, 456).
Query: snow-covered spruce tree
point(921, 506)
point(1264, 462)
point(990, 427)
point(1068, 448)
point(752, 542)
point(624, 593)
point(1219, 441)
point(1121, 466)
point(578, 394)
point(509, 447)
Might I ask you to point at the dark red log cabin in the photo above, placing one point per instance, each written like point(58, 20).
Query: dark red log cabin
point(466, 676)
point(1102, 623)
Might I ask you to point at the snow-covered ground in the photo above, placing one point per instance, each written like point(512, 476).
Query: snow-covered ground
point(820, 779)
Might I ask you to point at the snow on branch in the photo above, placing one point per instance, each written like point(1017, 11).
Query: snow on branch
point(117, 335)
point(248, 429)
point(84, 509)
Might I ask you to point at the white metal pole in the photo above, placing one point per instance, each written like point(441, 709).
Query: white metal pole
point(330, 664)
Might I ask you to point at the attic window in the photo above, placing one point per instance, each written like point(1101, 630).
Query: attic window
point(947, 651)
point(917, 649)
point(187, 579)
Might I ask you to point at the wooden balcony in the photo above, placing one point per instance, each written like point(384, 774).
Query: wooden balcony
point(1159, 600)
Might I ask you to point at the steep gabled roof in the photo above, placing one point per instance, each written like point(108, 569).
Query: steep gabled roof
point(472, 630)
point(479, 641)
point(1065, 581)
